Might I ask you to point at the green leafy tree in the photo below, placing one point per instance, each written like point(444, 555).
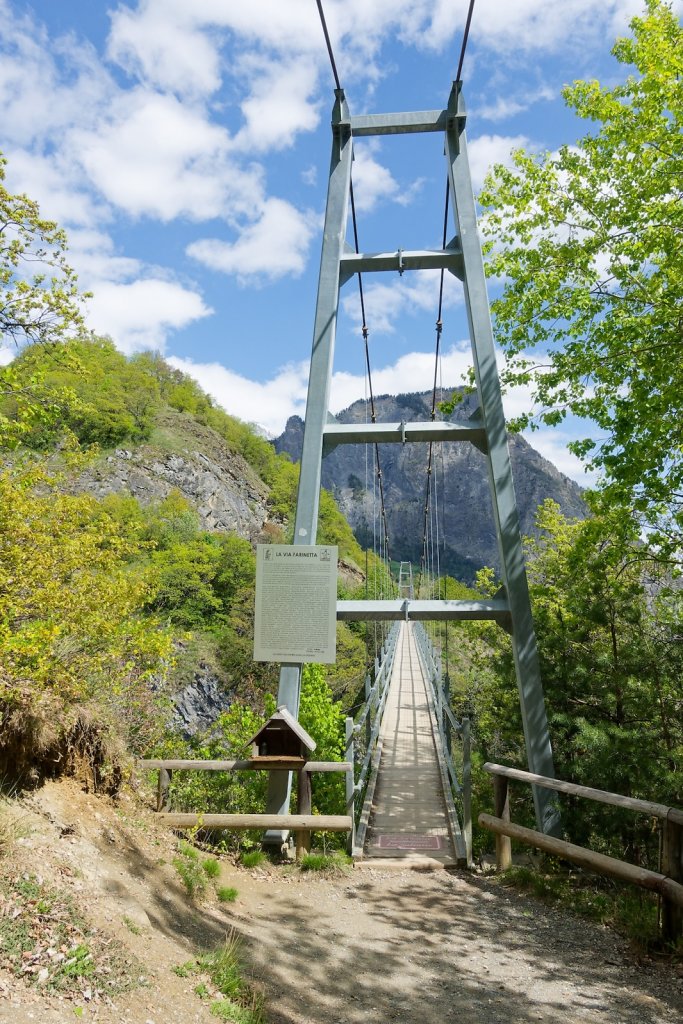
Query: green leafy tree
point(102, 397)
point(40, 298)
point(588, 243)
point(323, 719)
point(607, 623)
point(39, 302)
point(73, 640)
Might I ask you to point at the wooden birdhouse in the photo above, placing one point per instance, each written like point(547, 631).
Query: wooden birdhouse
point(282, 739)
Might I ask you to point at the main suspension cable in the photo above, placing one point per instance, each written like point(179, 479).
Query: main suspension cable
point(465, 37)
point(329, 44)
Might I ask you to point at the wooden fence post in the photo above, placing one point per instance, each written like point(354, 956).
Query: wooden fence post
point(501, 809)
point(163, 787)
point(304, 802)
point(672, 866)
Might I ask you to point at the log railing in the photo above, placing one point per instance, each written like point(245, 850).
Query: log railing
point(363, 748)
point(302, 824)
point(668, 883)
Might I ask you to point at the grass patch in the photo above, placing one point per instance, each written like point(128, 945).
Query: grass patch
point(186, 969)
point(45, 940)
point(195, 873)
point(12, 825)
point(336, 861)
point(252, 858)
point(221, 973)
point(630, 911)
point(226, 894)
point(212, 868)
point(132, 927)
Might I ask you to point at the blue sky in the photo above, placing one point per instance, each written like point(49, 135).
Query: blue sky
point(185, 146)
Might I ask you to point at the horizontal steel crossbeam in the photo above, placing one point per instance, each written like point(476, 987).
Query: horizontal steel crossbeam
point(400, 260)
point(404, 123)
point(495, 609)
point(394, 433)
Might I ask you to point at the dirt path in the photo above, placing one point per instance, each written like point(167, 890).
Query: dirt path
point(362, 946)
point(414, 947)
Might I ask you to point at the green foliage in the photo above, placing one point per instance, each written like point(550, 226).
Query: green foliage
point(611, 667)
point(206, 792)
point(189, 868)
point(227, 894)
point(223, 970)
point(323, 719)
point(348, 671)
point(606, 618)
point(336, 861)
point(587, 241)
point(212, 868)
point(40, 303)
point(252, 858)
point(71, 632)
point(106, 399)
point(195, 872)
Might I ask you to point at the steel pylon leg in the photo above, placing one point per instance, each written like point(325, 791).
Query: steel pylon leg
point(534, 719)
point(318, 400)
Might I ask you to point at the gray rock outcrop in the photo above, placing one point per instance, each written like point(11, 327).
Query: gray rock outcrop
point(467, 539)
point(223, 488)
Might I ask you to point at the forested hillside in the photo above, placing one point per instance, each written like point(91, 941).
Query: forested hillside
point(129, 515)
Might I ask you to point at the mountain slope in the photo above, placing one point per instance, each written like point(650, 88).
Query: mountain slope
point(465, 516)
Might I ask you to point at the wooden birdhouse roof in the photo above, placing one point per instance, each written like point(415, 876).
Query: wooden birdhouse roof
point(283, 719)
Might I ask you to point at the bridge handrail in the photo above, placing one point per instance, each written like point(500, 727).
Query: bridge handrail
point(628, 803)
point(445, 717)
point(369, 721)
point(668, 883)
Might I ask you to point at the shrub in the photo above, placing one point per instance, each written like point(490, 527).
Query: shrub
point(226, 894)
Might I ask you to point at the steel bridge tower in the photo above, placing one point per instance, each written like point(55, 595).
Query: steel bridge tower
point(486, 430)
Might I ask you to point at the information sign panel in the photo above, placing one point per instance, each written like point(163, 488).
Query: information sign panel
point(296, 603)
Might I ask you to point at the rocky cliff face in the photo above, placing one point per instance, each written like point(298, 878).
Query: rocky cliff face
point(465, 518)
point(183, 455)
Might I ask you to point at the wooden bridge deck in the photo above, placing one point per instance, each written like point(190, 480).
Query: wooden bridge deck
point(408, 820)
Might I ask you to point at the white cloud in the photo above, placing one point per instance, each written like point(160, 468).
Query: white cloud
point(486, 150)
point(273, 246)
point(165, 51)
point(140, 314)
point(503, 107)
point(371, 180)
point(387, 302)
point(269, 403)
point(157, 157)
point(48, 180)
point(521, 25)
point(45, 88)
point(279, 102)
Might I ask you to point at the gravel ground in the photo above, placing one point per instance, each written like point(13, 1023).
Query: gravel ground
point(364, 945)
point(433, 947)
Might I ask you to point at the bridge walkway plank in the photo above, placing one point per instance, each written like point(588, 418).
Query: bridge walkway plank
point(408, 808)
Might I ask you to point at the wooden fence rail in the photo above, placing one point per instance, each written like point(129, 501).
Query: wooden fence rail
point(668, 884)
point(302, 824)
